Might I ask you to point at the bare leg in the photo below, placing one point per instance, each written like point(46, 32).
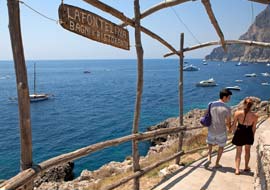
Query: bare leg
point(247, 156)
point(238, 159)
point(220, 151)
point(209, 152)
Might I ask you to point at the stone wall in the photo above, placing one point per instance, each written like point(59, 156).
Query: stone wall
point(262, 175)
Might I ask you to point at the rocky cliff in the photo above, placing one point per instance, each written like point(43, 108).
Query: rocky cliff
point(258, 31)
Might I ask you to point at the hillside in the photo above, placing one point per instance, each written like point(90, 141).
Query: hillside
point(258, 31)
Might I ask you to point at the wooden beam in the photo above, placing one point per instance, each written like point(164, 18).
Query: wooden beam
point(180, 88)
point(22, 84)
point(135, 128)
point(267, 2)
point(228, 42)
point(213, 19)
point(161, 5)
point(121, 16)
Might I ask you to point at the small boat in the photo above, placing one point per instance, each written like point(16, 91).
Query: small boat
point(205, 63)
point(265, 74)
point(38, 97)
point(268, 64)
point(190, 68)
point(87, 72)
point(251, 75)
point(265, 83)
point(238, 80)
point(241, 64)
point(35, 97)
point(233, 88)
point(206, 83)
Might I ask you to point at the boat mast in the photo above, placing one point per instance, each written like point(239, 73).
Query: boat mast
point(34, 78)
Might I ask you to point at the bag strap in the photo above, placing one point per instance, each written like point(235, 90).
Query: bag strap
point(209, 107)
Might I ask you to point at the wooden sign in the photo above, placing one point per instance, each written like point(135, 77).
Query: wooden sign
point(92, 26)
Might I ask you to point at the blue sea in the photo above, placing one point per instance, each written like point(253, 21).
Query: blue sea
point(87, 108)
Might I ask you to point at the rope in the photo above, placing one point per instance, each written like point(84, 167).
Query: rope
point(178, 17)
point(38, 12)
point(252, 13)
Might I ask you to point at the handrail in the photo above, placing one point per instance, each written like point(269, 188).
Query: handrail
point(27, 175)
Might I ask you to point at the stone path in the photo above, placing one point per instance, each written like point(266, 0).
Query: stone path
point(199, 177)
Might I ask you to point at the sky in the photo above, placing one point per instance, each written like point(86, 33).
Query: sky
point(44, 39)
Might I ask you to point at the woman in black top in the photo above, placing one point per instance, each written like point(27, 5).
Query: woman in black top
point(244, 126)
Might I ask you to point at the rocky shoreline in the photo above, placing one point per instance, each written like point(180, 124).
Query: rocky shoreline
point(61, 177)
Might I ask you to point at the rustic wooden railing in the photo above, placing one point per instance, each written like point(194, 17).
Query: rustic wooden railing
point(26, 176)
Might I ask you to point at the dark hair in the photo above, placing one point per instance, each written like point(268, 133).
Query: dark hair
point(248, 102)
point(224, 92)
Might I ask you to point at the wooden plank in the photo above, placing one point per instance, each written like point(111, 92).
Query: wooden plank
point(92, 26)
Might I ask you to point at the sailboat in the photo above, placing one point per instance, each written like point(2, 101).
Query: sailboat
point(37, 97)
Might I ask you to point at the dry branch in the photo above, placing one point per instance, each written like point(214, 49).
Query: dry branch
point(213, 19)
point(228, 42)
point(161, 5)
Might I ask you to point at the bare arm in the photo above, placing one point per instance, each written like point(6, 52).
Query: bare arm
point(228, 123)
point(235, 121)
point(254, 123)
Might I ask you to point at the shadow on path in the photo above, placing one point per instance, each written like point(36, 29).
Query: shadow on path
point(201, 164)
point(171, 184)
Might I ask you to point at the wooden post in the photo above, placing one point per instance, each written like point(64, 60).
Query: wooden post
point(22, 84)
point(139, 50)
point(181, 110)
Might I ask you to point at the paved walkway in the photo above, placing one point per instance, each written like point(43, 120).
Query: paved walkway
point(199, 177)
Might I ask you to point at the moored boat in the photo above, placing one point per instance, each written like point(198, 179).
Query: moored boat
point(38, 97)
point(233, 88)
point(207, 83)
point(190, 68)
point(251, 75)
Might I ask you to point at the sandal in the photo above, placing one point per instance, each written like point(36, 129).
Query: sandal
point(237, 173)
point(247, 170)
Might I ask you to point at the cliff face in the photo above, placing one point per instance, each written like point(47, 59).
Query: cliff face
point(258, 31)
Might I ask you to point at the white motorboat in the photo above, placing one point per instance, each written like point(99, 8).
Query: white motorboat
point(233, 88)
point(265, 83)
point(206, 83)
point(241, 64)
point(190, 68)
point(251, 75)
point(205, 63)
point(268, 64)
point(238, 80)
point(265, 74)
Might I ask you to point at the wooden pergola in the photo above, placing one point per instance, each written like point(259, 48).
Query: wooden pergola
point(29, 170)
